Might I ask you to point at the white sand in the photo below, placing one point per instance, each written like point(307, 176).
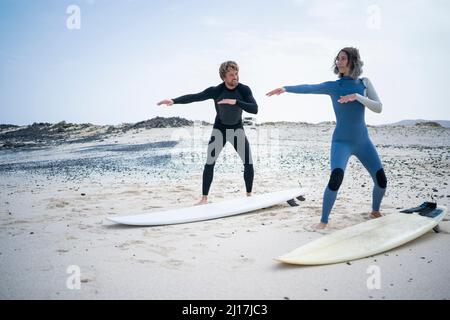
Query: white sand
point(46, 225)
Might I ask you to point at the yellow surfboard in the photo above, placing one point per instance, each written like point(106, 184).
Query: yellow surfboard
point(366, 239)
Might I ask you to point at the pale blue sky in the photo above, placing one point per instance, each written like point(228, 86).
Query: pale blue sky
point(129, 54)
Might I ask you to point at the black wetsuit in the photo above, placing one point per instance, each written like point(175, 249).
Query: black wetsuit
point(227, 127)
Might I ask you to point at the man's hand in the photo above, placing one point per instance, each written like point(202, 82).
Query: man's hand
point(347, 98)
point(167, 102)
point(227, 101)
point(277, 91)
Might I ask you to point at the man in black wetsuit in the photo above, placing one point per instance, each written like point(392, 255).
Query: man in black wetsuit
point(230, 99)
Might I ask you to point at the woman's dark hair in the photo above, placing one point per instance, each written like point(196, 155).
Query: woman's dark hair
point(354, 62)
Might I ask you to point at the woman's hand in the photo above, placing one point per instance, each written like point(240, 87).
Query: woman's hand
point(347, 98)
point(167, 102)
point(277, 91)
point(227, 101)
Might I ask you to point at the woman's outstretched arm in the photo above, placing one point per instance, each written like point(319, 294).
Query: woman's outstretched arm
point(321, 88)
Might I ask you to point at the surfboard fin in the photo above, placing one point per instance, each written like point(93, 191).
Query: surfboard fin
point(437, 229)
point(292, 203)
point(300, 198)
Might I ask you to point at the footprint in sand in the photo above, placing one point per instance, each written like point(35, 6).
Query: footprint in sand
point(364, 215)
point(242, 263)
point(181, 188)
point(130, 192)
point(126, 245)
point(310, 228)
point(57, 203)
point(151, 207)
point(144, 261)
point(223, 235)
point(15, 222)
point(84, 226)
point(162, 251)
point(173, 264)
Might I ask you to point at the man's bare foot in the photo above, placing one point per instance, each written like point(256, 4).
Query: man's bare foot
point(203, 200)
point(249, 194)
point(319, 226)
point(376, 214)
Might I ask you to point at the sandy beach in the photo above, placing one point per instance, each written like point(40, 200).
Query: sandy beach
point(55, 197)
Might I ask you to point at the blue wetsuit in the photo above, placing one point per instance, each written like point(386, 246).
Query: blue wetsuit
point(350, 137)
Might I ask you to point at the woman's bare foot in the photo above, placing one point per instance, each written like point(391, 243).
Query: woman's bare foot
point(249, 194)
point(319, 226)
point(203, 200)
point(376, 214)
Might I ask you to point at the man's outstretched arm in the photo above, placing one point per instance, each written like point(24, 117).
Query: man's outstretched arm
point(188, 98)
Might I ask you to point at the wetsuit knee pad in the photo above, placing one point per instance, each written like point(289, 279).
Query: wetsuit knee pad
point(381, 179)
point(337, 175)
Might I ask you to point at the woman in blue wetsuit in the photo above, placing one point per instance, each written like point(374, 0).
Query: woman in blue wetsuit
point(350, 96)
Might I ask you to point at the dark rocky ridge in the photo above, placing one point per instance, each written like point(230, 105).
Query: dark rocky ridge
point(44, 133)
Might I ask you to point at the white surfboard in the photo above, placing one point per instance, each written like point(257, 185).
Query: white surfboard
point(211, 210)
point(365, 239)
